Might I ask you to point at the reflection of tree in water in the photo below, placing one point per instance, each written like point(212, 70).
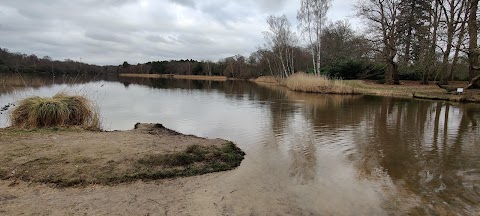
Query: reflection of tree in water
point(295, 122)
point(426, 149)
point(300, 139)
point(11, 82)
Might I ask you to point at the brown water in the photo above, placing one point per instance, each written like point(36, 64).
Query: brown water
point(306, 153)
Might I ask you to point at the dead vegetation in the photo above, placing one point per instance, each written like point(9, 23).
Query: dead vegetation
point(407, 89)
point(317, 84)
point(61, 110)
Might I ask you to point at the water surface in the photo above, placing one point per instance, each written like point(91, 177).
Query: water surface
point(315, 154)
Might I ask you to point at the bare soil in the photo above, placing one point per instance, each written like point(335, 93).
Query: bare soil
point(68, 171)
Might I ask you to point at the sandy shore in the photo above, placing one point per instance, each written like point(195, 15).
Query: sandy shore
point(251, 189)
point(68, 171)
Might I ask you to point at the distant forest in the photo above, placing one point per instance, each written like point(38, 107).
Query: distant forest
point(404, 40)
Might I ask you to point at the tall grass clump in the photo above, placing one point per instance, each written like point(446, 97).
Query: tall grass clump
point(317, 84)
point(61, 110)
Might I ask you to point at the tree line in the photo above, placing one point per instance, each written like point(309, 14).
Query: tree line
point(435, 37)
point(411, 39)
point(14, 62)
point(424, 40)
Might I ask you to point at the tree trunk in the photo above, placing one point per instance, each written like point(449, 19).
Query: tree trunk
point(452, 23)
point(474, 50)
point(431, 59)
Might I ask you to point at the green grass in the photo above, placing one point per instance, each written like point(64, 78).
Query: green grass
point(195, 160)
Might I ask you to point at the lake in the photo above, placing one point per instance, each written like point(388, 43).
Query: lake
point(321, 154)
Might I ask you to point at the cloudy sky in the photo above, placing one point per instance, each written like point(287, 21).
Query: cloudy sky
point(112, 31)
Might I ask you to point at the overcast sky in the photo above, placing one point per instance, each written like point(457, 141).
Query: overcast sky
point(112, 31)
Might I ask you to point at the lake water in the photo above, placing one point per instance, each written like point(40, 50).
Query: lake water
point(323, 154)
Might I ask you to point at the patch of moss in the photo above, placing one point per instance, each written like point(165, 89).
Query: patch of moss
point(195, 160)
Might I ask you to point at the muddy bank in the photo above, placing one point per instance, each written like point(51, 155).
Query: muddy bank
point(65, 158)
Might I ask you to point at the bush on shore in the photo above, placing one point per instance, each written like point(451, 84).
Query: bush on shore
point(61, 110)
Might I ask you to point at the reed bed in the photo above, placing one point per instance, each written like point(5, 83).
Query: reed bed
point(61, 110)
point(317, 84)
point(268, 80)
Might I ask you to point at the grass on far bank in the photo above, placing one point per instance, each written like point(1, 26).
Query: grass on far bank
point(309, 83)
point(317, 84)
point(407, 89)
point(57, 111)
point(174, 76)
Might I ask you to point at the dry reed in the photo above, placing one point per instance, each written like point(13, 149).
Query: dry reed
point(268, 79)
point(317, 84)
point(61, 110)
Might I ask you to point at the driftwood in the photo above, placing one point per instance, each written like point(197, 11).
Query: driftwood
point(473, 83)
point(448, 89)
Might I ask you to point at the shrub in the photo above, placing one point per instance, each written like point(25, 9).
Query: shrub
point(410, 72)
point(353, 69)
point(59, 111)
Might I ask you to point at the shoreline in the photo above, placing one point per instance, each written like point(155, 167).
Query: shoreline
point(409, 89)
point(75, 157)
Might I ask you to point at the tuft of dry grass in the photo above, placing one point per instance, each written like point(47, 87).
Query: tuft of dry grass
point(61, 110)
point(317, 84)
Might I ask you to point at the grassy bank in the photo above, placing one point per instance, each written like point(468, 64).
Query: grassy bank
point(408, 89)
point(189, 77)
point(74, 157)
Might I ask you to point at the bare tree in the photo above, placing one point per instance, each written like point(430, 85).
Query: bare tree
point(452, 13)
point(312, 16)
point(382, 16)
point(340, 43)
point(280, 39)
point(430, 44)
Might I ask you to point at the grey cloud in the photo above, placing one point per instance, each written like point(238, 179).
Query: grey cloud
point(112, 31)
point(272, 5)
point(157, 39)
point(107, 37)
point(186, 3)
